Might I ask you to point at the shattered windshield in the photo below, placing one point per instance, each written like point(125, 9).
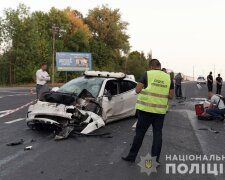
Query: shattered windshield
point(93, 85)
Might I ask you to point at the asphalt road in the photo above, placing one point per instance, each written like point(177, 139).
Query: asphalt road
point(84, 158)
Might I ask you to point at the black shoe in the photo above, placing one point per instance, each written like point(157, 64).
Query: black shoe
point(219, 118)
point(127, 158)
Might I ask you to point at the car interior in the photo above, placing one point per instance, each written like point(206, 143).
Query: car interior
point(114, 87)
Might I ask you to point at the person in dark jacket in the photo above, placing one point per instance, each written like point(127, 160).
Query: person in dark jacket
point(210, 82)
point(178, 88)
point(219, 82)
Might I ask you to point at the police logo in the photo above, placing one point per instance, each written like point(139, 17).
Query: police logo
point(148, 164)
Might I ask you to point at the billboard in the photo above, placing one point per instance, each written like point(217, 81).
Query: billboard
point(73, 61)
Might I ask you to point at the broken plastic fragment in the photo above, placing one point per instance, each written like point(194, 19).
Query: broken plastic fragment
point(64, 133)
point(209, 129)
point(16, 143)
point(27, 148)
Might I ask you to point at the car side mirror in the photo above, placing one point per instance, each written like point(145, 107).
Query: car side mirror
point(108, 95)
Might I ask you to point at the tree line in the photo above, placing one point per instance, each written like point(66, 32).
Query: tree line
point(26, 42)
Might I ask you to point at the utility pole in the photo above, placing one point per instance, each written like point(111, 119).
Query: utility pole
point(150, 55)
point(55, 29)
point(193, 72)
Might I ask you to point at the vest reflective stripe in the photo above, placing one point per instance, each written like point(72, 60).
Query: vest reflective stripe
point(151, 105)
point(153, 94)
point(154, 98)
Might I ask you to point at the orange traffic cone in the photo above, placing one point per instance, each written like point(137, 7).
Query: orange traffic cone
point(31, 92)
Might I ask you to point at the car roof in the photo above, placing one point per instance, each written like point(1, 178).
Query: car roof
point(106, 78)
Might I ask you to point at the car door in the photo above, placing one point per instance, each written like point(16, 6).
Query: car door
point(112, 101)
point(127, 91)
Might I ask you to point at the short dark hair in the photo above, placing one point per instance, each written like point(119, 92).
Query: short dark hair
point(155, 63)
point(210, 72)
point(218, 74)
point(44, 63)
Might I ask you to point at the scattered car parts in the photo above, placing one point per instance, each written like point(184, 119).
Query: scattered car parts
point(27, 148)
point(21, 141)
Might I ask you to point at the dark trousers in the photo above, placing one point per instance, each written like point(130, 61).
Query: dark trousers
point(146, 119)
point(178, 90)
point(218, 89)
point(215, 112)
point(210, 87)
point(38, 89)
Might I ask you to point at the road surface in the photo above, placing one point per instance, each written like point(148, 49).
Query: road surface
point(84, 158)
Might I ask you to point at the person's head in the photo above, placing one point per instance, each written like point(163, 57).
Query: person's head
point(154, 64)
point(210, 94)
point(44, 66)
point(218, 75)
point(164, 70)
point(210, 73)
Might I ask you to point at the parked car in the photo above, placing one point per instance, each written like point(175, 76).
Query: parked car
point(201, 80)
point(85, 103)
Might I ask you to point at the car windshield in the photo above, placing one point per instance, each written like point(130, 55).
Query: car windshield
point(93, 85)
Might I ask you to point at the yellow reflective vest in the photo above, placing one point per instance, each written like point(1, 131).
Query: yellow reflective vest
point(154, 98)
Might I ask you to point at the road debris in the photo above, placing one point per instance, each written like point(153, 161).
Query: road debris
point(209, 129)
point(32, 140)
point(21, 141)
point(199, 99)
point(27, 148)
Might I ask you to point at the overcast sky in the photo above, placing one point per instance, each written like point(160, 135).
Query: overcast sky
point(180, 33)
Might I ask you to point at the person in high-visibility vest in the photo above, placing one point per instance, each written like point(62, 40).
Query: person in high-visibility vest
point(154, 89)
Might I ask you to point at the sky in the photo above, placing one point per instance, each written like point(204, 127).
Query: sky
point(187, 36)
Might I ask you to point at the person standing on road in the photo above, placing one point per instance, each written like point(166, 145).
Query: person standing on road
point(219, 82)
point(210, 82)
point(41, 78)
point(154, 89)
point(178, 88)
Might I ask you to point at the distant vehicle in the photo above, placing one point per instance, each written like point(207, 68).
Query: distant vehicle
point(85, 103)
point(201, 80)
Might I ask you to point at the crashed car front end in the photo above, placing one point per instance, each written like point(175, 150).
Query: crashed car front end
point(64, 114)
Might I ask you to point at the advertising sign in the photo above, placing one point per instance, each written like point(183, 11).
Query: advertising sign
point(72, 61)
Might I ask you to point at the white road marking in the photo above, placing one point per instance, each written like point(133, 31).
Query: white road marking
point(17, 92)
point(134, 125)
point(4, 111)
point(13, 95)
point(10, 158)
point(15, 120)
point(14, 110)
point(16, 95)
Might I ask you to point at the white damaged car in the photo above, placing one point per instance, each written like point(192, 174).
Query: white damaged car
point(84, 104)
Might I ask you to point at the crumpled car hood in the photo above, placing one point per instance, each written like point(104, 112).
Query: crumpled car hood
point(46, 108)
point(52, 113)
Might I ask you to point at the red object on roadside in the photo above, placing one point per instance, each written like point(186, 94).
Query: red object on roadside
point(199, 109)
point(31, 92)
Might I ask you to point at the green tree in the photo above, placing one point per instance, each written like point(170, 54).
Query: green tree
point(26, 39)
point(107, 26)
point(110, 39)
point(136, 64)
